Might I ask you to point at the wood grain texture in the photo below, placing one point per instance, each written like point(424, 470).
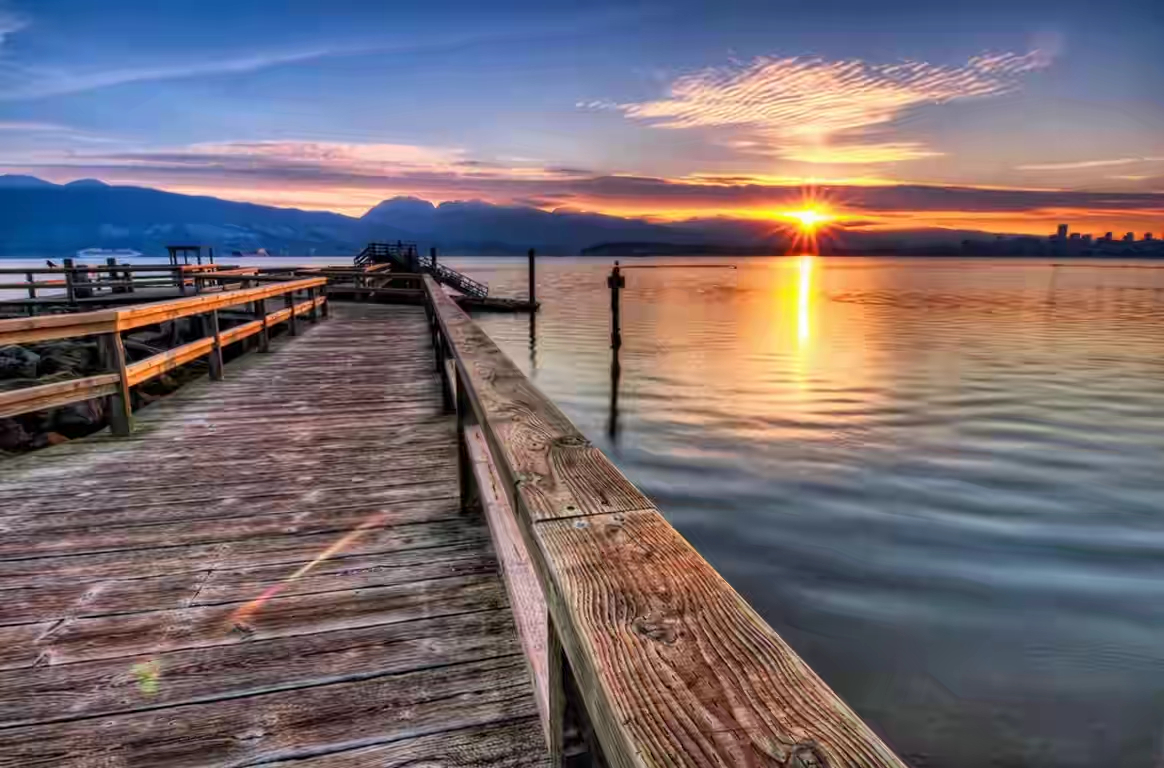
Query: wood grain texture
point(672, 661)
point(504, 746)
point(107, 686)
point(272, 567)
point(284, 724)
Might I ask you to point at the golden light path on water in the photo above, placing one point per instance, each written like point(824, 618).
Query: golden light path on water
point(804, 300)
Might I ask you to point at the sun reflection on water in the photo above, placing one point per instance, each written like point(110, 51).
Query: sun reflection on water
point(804, 300)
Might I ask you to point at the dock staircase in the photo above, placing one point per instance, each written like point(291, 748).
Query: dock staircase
point(404, 257)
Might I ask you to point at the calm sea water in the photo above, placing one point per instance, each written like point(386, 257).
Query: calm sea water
point(941, 480)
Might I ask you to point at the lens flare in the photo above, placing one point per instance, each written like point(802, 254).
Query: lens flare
point(240, 619)
point(808, 219)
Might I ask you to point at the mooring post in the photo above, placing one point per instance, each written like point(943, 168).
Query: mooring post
point(616, 281)
point(433, 256)
point(532, 280)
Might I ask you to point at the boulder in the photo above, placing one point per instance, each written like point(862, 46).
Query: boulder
point(18, 363)
point(75, 355)
point(79, 419)
point(13, 436)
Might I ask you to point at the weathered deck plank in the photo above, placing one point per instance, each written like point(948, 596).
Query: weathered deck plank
point(273, 567)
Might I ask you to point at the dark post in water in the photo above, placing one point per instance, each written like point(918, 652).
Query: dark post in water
point(532, 280)
point(615, 282)
point(432, 255)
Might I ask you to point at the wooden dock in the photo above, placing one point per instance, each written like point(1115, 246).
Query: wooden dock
point(160, 602)
point(376, 545)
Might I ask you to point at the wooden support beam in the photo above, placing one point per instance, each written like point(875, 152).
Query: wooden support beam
point(260, 306)
point(292, 324)
point(216, 347)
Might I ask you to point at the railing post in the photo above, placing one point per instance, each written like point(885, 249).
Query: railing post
point(70, 291)
point(292, 325)
point(216, 350)
point(312, 315)
point(465, 480)
point(119, 405)
point(260, 309)
point(181, 281)
point(324, 308)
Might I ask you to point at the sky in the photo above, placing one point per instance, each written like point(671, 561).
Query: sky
point(997, 115)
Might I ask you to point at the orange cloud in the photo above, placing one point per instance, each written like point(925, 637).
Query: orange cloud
point(817, 111)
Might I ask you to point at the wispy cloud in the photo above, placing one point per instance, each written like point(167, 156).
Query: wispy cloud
point(10, 23)
point(33, 127)
point(18, 83)
point(1082, 164)
point(819, 111)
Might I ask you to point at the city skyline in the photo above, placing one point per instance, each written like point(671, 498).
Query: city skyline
point(1010, 118)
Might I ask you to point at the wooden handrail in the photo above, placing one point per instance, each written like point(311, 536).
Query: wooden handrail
point(673, 667)
point(116, 268)
point(109, 324)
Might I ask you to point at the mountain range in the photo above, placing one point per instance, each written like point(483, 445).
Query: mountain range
point(40, 218)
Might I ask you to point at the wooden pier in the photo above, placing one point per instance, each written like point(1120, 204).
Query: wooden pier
point(376, 544)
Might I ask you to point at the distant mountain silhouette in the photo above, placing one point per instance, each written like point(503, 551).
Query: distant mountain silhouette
point(460, 226)
point(38, 218)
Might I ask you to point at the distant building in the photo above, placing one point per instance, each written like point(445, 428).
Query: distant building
point(1106, 237)
point(1062, 234)
point(1087, 239)
point(1130, 237)
point(107, 253)
point(1147, 236)
point(1073, 236)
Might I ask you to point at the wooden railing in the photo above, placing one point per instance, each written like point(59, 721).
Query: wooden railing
point(108, 325)
point(74, 281)
point(671, 666)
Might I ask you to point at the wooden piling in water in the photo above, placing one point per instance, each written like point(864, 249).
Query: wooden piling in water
point(616, 282)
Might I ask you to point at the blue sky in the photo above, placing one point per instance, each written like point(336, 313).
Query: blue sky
point(340, 104)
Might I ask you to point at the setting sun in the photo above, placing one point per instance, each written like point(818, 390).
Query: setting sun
point(808, 219)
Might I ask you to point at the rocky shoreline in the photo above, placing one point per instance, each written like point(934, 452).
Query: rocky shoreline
point(52, 361)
